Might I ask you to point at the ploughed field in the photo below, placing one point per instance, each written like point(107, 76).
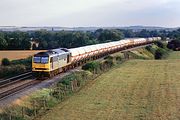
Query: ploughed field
point(17, 54)
point(135, 90)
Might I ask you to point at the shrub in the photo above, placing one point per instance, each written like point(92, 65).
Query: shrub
point(11, 70)
point(151, 49)
point(160, 53)
point(67, 79)
point(161, 44)
point(174, 44)
point(118, 58)
point(91, 66)
point(110, 63)
point(27, 62)
point(108, 57)
point(5, 62)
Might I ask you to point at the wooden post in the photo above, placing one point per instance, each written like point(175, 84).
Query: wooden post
point(34, 107)
point(44, 103)
point(22, 112)
point(72, 87)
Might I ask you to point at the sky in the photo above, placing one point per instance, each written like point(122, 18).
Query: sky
point(90, 13)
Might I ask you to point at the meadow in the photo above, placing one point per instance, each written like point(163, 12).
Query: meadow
point(137, 89)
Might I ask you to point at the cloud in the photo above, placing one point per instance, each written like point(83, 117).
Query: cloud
point(90, 12)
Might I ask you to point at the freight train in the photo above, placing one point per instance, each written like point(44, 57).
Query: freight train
point(55, 61)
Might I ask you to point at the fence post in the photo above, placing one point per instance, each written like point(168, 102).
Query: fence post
point(44, 103)
point(72, 87)
point(10, 116)
point(22, 112)
point(34, 108)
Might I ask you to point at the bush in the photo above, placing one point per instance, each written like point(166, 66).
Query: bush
point(11, 70)
point(160, 53)
point(67, 79)
point(91, 66)
point(118, 58)
point(151, 49)
point(109, 57)
point(174, 44)
point(162, 45)
point(78, 75)
point(5, 62)
point(27, 62)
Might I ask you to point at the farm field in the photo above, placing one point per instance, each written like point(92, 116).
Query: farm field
point(174, 55)
point(135, 90)
point(17, 54)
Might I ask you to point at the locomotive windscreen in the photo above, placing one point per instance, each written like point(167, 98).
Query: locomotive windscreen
point(42, 60)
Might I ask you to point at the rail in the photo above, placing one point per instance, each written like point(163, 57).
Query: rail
point(17, 89)
point(15, 78)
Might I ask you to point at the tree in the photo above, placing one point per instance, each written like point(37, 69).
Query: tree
point(26, 45)
point(3, 43)
point(5, 62)
point(109, 35)
point(43, 45)
point(174, 44)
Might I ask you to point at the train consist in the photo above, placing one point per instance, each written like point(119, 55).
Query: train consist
point(55, 61)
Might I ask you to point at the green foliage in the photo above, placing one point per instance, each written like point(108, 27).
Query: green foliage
point(12, 70)
point(3, 43)
point(5, 62)
point(27, 62)
point(160, 53)
point(69, 39)
point(159, 50)
point(174, 44)
point(161, 44)
point(150, 52)
point(109, 57)
point(67, 79)
point(151, 49)
point(109, 62)
point(91, 66)
point(105, 35)
point(79, 75)
point(49, 40)
point(14, 67)
point(44, 93)
point(118, 58)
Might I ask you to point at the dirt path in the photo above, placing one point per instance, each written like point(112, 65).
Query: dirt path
point(136, 90)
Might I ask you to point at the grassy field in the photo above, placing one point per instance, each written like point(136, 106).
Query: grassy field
point(136, 90)
point(174, 55)
point(17, 54)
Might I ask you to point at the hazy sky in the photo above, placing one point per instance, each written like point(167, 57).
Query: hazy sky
point(75, 13)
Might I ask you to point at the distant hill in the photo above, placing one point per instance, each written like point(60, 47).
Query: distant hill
point(134, 28)
point(150, 28)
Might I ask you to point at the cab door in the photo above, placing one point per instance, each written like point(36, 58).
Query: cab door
point(51, 63)
point(68, 58)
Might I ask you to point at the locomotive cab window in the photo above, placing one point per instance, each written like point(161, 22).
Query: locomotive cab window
point(37, 59)
point(44, 60)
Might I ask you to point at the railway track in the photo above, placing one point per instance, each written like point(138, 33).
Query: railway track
point(16, 84)
point(15, 79)
point(18, 88)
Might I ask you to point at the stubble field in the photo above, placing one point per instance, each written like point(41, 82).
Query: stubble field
point(17, 54)
point(136, 90)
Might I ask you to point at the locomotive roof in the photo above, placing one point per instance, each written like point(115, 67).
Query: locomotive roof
point(52, 52)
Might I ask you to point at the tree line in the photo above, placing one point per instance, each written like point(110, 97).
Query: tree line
point(18, 40)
